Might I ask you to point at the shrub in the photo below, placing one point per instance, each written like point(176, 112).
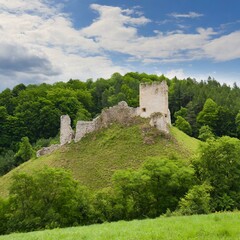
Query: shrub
point(196, 201)
point(183, 125)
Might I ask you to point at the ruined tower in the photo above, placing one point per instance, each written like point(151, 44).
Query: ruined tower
point(153, 99)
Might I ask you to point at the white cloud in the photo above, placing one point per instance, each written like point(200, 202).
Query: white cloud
point(229, 24)
point(114, 31)
point(179, 73)
point(18, 7)
point(224, 48)
point(39, 43)
point(113, 28)
point(186, 15)
point(118, 15)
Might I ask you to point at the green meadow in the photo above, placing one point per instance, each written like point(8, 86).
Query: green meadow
point(96, 157)
point(212, 227)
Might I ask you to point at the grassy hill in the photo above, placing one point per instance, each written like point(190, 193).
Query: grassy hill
point(213, 227)
point(95, 158)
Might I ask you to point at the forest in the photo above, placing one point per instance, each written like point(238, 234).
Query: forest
point(30, 118)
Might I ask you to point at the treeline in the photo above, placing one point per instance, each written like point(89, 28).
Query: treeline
point(34, 110)
point(201, 109)
point(51, 198)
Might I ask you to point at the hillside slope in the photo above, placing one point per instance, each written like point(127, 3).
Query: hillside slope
point(96, 157)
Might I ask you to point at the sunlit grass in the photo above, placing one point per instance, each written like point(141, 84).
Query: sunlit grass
point(94, 159)
point(212, 227)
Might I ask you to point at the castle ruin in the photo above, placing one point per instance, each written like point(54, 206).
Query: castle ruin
point(153, 104)
point(153, 98)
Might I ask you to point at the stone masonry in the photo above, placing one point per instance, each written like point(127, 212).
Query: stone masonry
point(120, 113)
point(66, 132)
point(66, 136)
point(153, 98)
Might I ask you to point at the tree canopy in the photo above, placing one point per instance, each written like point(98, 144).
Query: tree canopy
point(34, 111)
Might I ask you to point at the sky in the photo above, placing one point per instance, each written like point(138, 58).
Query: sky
point(53, 40)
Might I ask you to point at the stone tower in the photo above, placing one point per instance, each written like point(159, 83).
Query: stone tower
point(153, 99)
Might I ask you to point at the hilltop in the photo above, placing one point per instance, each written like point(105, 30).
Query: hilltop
point(97, 156)
point(34, 111)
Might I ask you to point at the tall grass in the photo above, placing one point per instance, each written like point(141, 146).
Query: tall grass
point(212, 227)
point(96, 157)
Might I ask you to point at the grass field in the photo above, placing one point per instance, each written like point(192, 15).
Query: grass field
point(212, 227)
point(95, 158)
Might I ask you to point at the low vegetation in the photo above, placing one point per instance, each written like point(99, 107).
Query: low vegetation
point(162, 185)
point(118, 147)
point(206, 227)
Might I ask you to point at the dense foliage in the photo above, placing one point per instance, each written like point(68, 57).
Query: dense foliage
point(51, 198)
point(219, 165)
point(34, 111)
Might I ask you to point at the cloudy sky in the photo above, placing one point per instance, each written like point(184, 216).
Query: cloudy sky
point(53, 40)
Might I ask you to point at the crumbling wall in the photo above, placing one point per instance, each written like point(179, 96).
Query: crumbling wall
point(66, 136)
point(159, 121)
point(153, 100)
point(84, 127)
point(48, 150)
point(169, 118)
point(120, 113)
point(66, 132)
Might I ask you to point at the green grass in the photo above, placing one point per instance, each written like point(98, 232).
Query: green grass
point(191, 144)
point(95, 158)
point(212, 227)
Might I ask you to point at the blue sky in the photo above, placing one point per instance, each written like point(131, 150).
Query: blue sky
point(53, 40)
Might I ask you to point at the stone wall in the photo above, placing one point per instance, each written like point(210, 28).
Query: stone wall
point(120, 113)
point(84, 127)
point(66, 132)
point(159, 121)
point(153, 99)
point(48, 150)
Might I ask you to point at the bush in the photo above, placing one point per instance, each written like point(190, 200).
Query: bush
point(219, 164)
point(183, 125)
point(47, 199)
point(205, 133)
point(25, 151)
point(4, 208)
point(42, 142)
point(7, 162)
point(156, 187)
point(196, 201)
